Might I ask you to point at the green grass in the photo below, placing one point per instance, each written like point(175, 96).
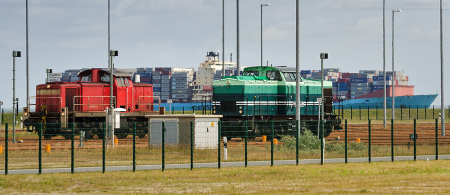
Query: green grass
point(430, 177)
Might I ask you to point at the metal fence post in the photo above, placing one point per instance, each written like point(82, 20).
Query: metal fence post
point(163, 141)
point(392, 140)
point(370, 142)
point(346, 154)
point(417, 112)
point(351, 112)
point(437, 140)
point(72, 145)
point(359, 113)
point(40, 148)
point(322, 135)
point(296, 142)
point(425, 112)
point(134, 147)
point(409, 110)
point(104, 148)
point(401, 112)
point(368, 112)
point(218, 145)
point(6, 148)
point(415, 138)
point(192, 144)
point(246, 142)
point(271, 144)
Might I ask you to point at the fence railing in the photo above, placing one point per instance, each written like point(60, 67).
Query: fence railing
point(402, 113)
point(165, 144)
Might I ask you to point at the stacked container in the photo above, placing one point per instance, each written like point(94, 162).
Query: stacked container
point(145, 75)
point(360, 84)
point(180, 86)
point(165, 75)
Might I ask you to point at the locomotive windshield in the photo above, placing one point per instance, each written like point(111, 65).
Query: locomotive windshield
point(251, 73)
point(273, 75)
point(86, 78)
point(289, 76)
point(105, 77)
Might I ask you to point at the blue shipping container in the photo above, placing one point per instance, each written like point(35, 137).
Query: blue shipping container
point(305, 72)
point(378, 87)
point(359, 80)
point(157, 89)
point(380, 78)
point(343, 88)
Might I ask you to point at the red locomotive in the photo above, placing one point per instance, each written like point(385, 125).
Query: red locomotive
point(84, 104)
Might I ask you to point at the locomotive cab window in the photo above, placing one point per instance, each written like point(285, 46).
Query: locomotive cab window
point(86, 78)
point(120, 82)
point(273, 75)
point(290, 76)
point(251, 73)
point(105, 77)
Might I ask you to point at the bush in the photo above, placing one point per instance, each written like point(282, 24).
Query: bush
point(307, 141)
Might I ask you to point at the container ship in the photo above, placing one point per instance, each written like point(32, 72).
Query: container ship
point(365, 89)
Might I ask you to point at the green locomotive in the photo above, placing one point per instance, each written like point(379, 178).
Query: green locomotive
point(265, 94)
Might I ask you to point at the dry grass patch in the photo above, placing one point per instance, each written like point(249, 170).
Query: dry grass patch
point(383, 177)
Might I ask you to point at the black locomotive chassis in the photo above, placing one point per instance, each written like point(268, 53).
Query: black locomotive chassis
point(89, 122)
point(282, 125)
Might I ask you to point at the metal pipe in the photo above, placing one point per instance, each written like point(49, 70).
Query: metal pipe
point(384, 64)
point(393, 70)
point(238, 73)
point(297, 66)
point(223, 38)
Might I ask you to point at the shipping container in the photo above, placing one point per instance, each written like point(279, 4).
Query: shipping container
point(156, 93)
point(380, 78)
point(165, 77)
point(163, 85)
point(360, 89)
point(156, 89)
point(165, 89)
point(360, 84)
point(180, 91)
point(165, 93)
point(156, 77)
point(165, 81)
point(305, 72)
point(373, 72)
point(342, 93)
point(360, 80)
point(179, 87)
point(156, 85)
point(358, 76)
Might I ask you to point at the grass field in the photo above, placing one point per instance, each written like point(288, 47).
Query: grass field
point(431, 177)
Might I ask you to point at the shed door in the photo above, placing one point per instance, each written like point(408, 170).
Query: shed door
point(70, 93)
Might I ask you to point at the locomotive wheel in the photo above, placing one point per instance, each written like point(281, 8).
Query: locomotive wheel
point(122, 136)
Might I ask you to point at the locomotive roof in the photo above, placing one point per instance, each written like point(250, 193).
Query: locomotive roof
point(281, 68)
point(117, 73)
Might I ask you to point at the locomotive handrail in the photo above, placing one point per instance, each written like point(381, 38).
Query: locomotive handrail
point(36, 98)
point(77, 106)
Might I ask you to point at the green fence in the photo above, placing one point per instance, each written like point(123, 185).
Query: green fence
point(165, 145)
point(403, 113)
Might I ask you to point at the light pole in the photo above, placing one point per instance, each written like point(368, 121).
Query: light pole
point(18, 55)
point(297, 66)
point(223, 38)
point(442, 76)
point(322, 57)
point(393, 70)
point(238, 73)
point(264, 4)
point(384, 64)
point(112, 53)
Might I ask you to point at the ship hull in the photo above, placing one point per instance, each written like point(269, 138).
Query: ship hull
point(401, 101)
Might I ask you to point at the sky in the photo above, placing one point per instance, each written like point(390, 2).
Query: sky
point(67, 34)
